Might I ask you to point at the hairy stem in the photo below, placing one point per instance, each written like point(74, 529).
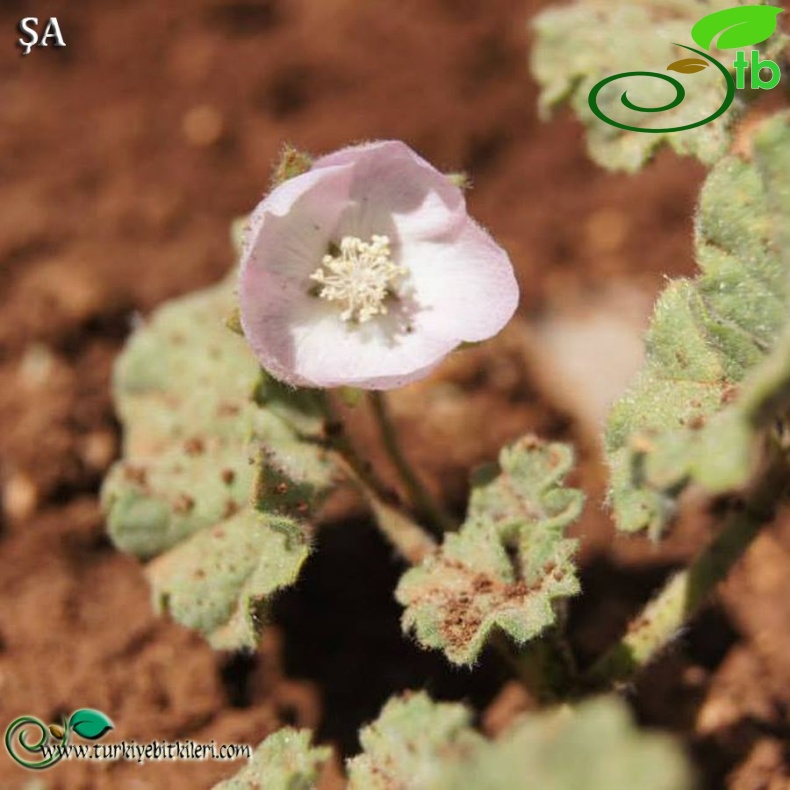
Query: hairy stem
point(686, 592)
point(424, 503)
point(410, 540)
point(544, 666)
point(339, 440)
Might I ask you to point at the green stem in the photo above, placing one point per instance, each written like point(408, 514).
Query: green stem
point(339, 440)
point(424, 503)
point(411, 541)
point(686, 592)
point(544, 666)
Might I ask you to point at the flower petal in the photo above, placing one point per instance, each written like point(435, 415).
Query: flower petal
point(392, 184)
point(289, 231)
point(327, 352)
point(466, 289)
point(460, 284)
point(287, 236)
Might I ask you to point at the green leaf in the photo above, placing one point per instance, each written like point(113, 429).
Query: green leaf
point(578, 45)
point(688, 65)
point(418, 744)
point(220, 579)
point(411, 744)
point(293, 475)
point(739, 27)
point(221, 469)
point(301, 409)
point(90, 724)
point(716, 375)
point(182, 390)
point(284, 761)
point(594, 746)
point(524, 491)
point(508, 563)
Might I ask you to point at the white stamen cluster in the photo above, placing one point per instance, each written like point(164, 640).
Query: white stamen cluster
point(360, 277)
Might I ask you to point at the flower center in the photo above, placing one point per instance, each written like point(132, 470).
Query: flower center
point(359, 275)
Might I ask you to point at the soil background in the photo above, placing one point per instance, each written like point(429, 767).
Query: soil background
point(123, 160)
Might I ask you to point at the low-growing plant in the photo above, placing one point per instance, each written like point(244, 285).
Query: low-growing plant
point(359, 273)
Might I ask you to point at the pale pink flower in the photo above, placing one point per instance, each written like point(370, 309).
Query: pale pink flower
point(366, 271)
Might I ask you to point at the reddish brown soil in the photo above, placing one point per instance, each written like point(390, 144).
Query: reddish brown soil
point(124, 158)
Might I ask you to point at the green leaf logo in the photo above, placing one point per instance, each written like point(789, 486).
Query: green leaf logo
point(90, 724)
point(739, 27)
point(688, 65)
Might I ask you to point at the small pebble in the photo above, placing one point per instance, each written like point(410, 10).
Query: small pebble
point(717, 713)
point(36, 366)
point(20, 497)
point(695, 676)
point(97, 450)
point(606, 230)
point(203, 125)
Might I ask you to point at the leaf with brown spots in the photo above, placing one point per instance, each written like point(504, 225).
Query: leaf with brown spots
point(411, 744)
point(189, 421)
point(418, 744)
point(220, 470)
point(219, 581)
point(525, 488)
point(507, 565)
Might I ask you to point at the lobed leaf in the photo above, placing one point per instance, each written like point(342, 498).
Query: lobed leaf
point(411, 743)
point(578, 45)
point(220, 579)
point(418, 744)
point(507, 565)
point(717, 371)
point(284, 761)
point(592, 747)
point(221, 467)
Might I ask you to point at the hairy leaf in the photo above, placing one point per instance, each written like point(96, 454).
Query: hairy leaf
point(418, 744)
point(284, 761)
point(594, 746)
point(219, 580)
point(411, 743)
point(220, 468)
point(717, 367)
point(182, 389)
point(507, 565)
point(580, 44)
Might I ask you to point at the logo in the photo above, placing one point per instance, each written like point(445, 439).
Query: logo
point(50, 740)
point(743, 26)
